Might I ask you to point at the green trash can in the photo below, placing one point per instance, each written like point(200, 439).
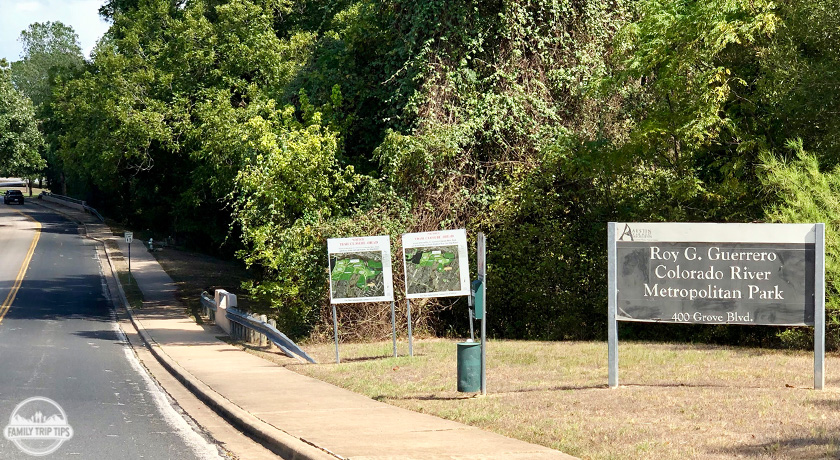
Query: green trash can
point(469, 367)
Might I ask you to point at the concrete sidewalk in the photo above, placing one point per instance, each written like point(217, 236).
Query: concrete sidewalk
point(295, 416)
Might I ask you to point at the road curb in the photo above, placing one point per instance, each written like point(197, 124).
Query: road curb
point(278, 441)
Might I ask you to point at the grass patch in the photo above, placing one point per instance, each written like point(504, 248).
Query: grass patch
point(132, 291)
point(676, 401)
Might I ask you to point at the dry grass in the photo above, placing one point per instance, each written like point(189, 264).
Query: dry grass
point(675, 401)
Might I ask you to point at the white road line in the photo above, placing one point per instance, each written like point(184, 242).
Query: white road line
point(203, 449)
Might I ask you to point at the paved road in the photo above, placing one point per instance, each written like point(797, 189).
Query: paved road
point(59, 340)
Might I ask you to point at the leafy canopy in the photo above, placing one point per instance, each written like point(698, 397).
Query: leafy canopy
point(19, 135)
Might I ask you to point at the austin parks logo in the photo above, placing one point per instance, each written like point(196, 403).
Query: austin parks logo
point(634, 234)
point(38, 426)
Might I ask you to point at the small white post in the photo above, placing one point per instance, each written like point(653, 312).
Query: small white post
point(222, 303)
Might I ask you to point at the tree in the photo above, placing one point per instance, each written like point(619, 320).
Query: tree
point(19, 135)
point(51, 55)
point(692, 66)
point(50, 50)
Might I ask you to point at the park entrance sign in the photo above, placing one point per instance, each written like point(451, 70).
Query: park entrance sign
point(751, 274)
point(702, 273)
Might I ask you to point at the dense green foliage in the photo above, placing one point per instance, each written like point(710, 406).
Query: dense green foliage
point(808, 195)
point(263, 127)
point(51, 56)
point(50, 49)
point(19, 135)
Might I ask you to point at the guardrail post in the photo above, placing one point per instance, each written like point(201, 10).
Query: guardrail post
point(263, 338)
point(273, 324)
point(224, 300)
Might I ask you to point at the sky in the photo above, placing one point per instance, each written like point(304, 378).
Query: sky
point(81, 15)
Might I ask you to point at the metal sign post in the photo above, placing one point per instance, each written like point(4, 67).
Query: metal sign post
point(819, 307)
point(335, 328)
point(410, 340)
point(129, 237)
point(612, 323)
point(394, 328)
point(482, 276)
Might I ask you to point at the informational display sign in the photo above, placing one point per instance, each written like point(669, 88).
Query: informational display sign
point(436, 264)
point(360, 269)
point(760, 274)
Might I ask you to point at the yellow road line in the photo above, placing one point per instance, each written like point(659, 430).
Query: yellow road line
point(4, 308)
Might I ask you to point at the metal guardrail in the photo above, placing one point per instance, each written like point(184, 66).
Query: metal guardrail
point(78, 203)
point(260, 326)
point(254, 328)
point(64, 198)
point(208, 306)
point(95, 213)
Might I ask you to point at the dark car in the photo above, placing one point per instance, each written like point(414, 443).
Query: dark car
point(13, 196)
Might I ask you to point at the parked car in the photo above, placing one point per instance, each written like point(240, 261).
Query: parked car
point(13, 196)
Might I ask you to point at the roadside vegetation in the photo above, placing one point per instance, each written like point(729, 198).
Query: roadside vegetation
point(257, 129)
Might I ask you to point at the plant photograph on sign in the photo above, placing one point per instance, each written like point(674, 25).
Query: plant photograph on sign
point(432, 269)
point(357, 274)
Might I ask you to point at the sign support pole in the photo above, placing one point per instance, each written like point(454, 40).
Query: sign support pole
point(482, 275)
point(612, 323)
point(819, 307)
point(129, 237)
point(335, 328)
point(410, 339)
point(394, 328)
point(472, 326)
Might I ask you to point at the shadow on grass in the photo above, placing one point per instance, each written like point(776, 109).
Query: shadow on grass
point(699, 385)
point(795, 448)
point(367, 358)
point(832, 404)
point(384, 398)
point(499, 393)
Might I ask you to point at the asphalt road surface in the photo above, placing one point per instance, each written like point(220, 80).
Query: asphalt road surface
point(59, 340)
